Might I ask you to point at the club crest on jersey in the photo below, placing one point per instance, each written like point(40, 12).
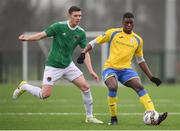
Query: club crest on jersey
point(49, 79)
point(132, 40)
point(121, 37)
point(76, 37)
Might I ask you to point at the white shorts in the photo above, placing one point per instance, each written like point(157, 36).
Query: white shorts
point(52, 74)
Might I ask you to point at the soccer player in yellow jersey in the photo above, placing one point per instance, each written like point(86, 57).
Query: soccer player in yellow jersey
point(124, 44)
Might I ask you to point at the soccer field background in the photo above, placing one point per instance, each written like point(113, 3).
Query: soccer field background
point(64, 110)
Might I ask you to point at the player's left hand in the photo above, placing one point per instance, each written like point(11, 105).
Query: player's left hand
point(155, 80)
point(80, 59)
point(95, 76)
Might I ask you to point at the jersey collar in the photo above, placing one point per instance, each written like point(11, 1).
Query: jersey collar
point(72, 28)
point(132, 33)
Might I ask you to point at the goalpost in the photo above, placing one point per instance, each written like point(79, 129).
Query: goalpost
point(44, 49)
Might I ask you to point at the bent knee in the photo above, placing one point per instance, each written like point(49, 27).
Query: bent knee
point(46, 92)
point(45, 95)
point(111, 83)
point(85, 87)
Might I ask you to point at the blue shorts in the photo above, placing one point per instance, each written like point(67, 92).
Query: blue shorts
point(121, 75)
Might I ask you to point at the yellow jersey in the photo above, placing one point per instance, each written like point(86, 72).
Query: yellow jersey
point(122, 48)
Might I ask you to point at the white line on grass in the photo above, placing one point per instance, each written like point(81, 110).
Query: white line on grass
point(74, 114)
point(131, 101)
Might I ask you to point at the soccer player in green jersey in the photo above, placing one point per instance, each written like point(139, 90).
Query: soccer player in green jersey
point(67, 36)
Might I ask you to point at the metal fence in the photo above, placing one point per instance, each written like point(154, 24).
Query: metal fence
point(11, 67)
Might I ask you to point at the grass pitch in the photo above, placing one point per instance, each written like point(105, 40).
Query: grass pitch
point(64, 110)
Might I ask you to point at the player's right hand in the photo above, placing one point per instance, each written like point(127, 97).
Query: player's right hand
point(80, 59)
point(22, 38)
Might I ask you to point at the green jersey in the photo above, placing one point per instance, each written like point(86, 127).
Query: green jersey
point(65, 40)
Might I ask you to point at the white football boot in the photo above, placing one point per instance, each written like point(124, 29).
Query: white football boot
point(93, 120)
point(19, 91)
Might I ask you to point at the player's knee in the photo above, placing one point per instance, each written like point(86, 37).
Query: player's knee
point(46, 94)
point(112, 85)
point(85, 87)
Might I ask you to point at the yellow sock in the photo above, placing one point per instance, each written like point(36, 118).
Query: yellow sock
point(112, 102)
point(147, 102)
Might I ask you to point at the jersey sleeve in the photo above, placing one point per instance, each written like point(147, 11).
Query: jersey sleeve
point(139, 50)
point(104, 37)
point(52, 30)
point(83, 41)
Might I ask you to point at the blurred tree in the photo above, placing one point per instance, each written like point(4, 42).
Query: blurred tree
point(15, 16)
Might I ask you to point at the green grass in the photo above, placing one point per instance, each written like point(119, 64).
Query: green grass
point(67, 99)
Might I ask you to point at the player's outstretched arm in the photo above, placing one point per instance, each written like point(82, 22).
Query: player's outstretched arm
point(147, 71)
point(33, 37)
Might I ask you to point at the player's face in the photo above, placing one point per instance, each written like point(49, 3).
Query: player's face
point(128, 24)
point(75, 18)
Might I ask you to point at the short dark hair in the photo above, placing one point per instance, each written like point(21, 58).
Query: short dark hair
point(73, 8)
point(128, 15)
